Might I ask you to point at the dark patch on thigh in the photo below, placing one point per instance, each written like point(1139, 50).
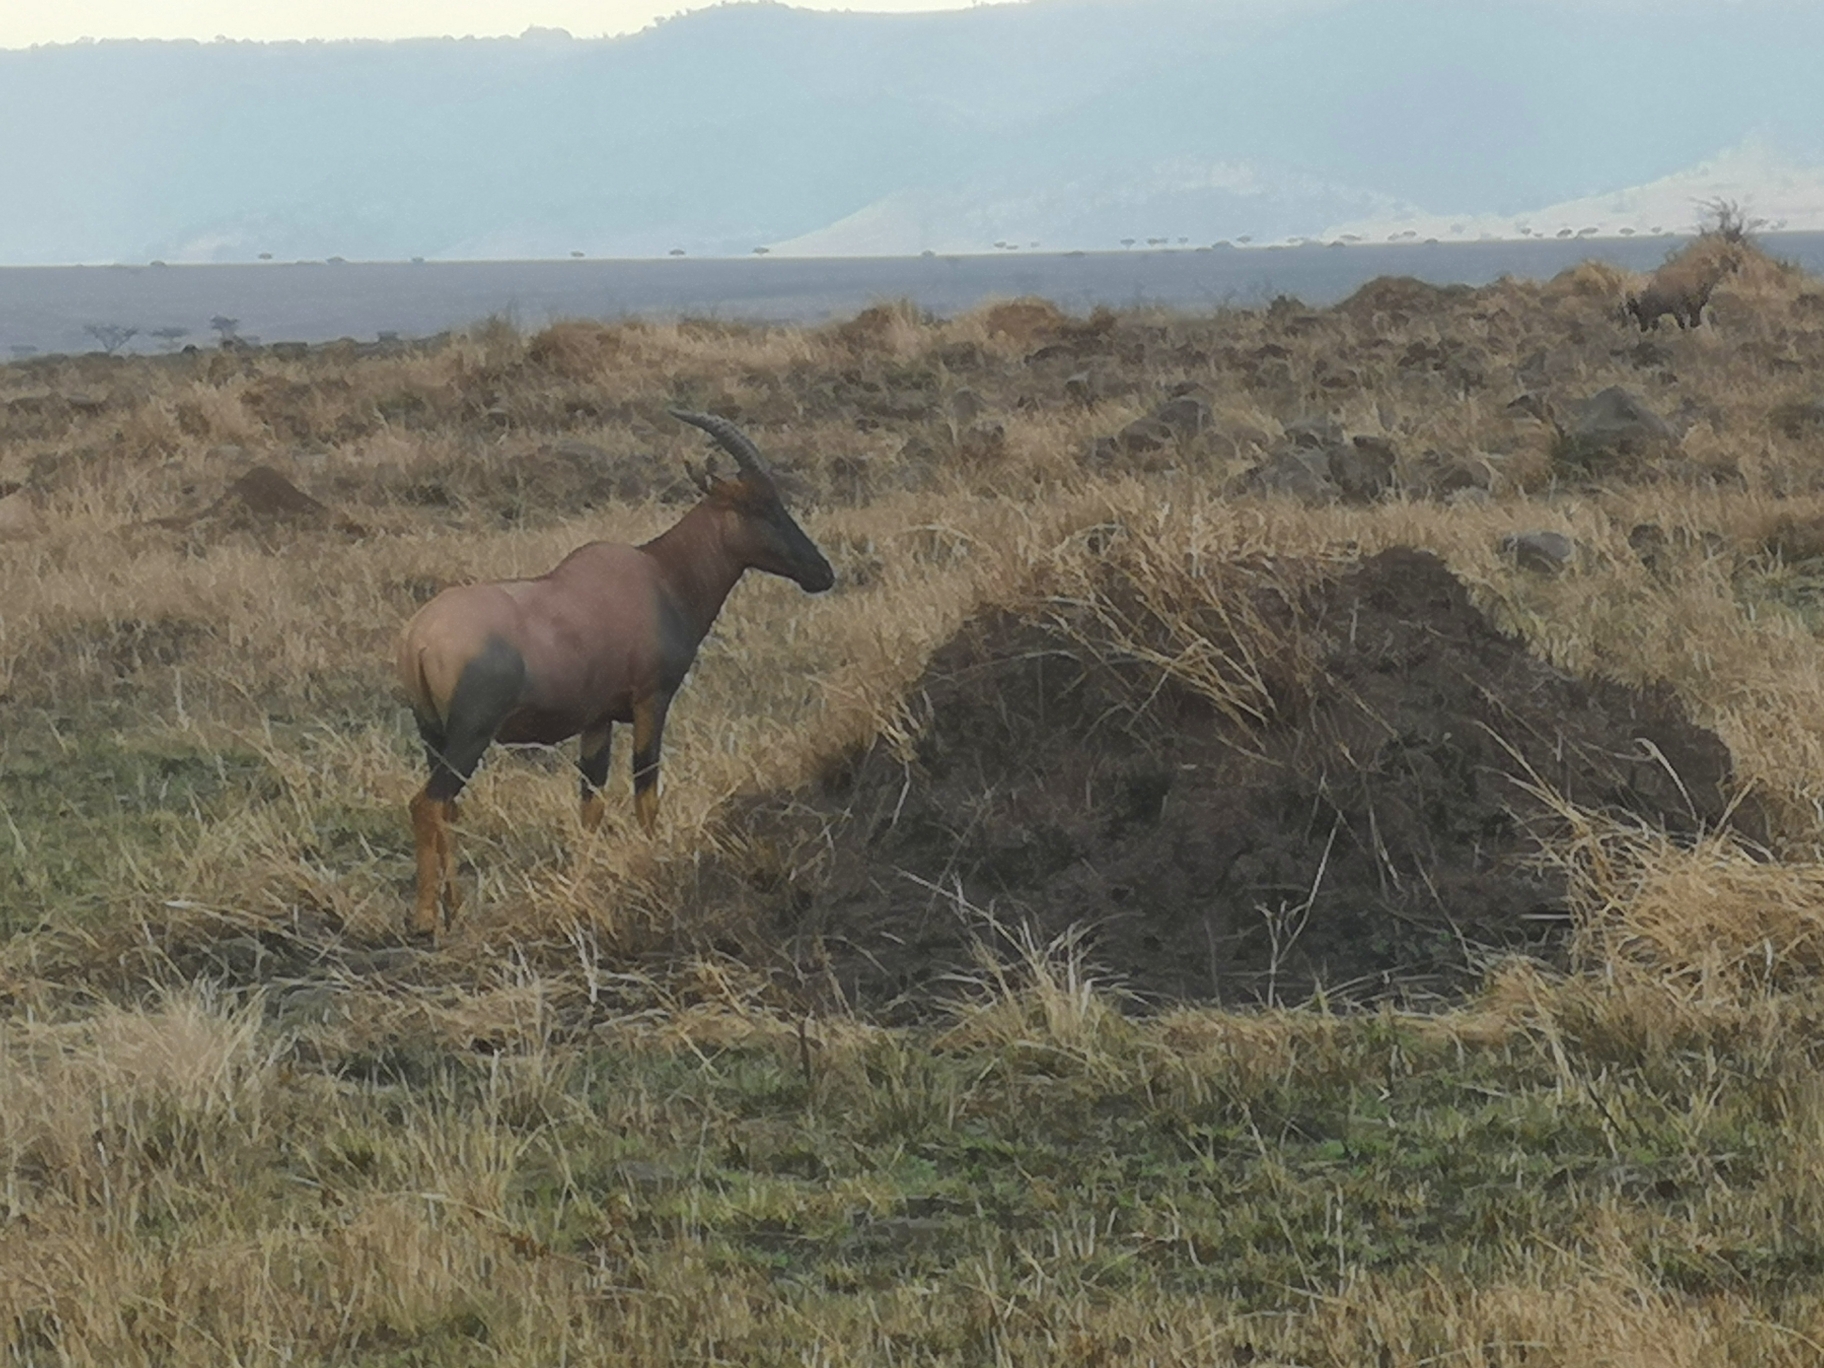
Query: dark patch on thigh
point(487, 691)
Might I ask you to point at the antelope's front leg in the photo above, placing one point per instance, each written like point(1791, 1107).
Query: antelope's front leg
point(648, 731)
point(592, 762)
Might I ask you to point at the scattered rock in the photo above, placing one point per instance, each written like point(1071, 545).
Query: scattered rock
point(1145, 435)
point(19, 520)
point(1543, 552)
point(1440, 475)
point(1536, 406)
point(982, 442)
point(1234, 441)
point(1794, 538)
point(1362, 468)
point(1799, 419)
point(307, 1004)
point(1302, 473)
point(1648, 542)
point(1654, 545)
point(966, 405)
point(1648, 355)
point(1615, 428)
point(1186, 415)
point(1319, 433)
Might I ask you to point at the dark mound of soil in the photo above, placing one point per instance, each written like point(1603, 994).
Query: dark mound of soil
point(261, 500)
point(264, 495)
point(1376, 834)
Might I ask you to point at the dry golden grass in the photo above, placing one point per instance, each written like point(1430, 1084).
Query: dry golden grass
point(239, 1122)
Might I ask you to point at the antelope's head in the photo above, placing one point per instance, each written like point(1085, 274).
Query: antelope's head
point(761, 530)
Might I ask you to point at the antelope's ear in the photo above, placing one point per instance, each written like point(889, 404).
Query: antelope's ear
point(701, 476)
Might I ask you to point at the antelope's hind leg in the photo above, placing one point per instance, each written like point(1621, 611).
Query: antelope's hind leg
point(485, 695)
point(452, 759)
point(592, 764)
point(436, 852)
point(452, 752)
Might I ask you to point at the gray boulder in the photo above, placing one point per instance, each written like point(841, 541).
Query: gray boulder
point(1145, 435)
point(1615, 428)
point(1445, 475)
point(967, 406)
point(1301, 473)
point(1800, 419)
point(1315, 432)
point(1362, 468)
point(1187, 415)
point(1544, 553)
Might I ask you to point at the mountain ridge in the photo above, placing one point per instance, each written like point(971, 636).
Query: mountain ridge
point(752, 125)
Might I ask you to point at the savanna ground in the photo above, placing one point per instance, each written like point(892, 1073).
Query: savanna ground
point(946, 1019)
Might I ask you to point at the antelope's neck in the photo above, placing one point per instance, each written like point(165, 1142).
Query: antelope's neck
point(697, 565)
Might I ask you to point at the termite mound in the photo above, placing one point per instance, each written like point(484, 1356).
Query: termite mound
point(1303, 777)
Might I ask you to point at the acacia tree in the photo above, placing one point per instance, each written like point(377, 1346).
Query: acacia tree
point(1727, 219)
point(111, 336)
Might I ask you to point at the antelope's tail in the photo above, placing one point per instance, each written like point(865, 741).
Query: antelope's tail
point(414, 681)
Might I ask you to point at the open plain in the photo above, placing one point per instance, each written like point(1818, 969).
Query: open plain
point(1298, 838)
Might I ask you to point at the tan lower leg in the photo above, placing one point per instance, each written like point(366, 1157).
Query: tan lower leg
point(646, 807)
point(427, 833)
point(594, 809)
point(446, 858)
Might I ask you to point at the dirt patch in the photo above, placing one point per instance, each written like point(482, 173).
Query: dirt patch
point(261, 501)
point(267, 496)
point(1307, 778)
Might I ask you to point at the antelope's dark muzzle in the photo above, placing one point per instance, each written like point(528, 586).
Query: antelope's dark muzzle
point(817, 578)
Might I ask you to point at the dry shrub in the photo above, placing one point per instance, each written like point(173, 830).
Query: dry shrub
point(212, 414)
point(1042, 1002)
point(1024, 322)
point(150, 431)
point(1567, 1314)
point(90, 1108)
point(1714, 921)
point(899, 328)
point(1597, 281)
point(575, 349)
point(1759, 275)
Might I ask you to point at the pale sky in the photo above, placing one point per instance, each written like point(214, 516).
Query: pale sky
point(23, 23)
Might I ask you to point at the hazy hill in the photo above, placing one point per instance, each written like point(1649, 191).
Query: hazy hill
point(757, 124)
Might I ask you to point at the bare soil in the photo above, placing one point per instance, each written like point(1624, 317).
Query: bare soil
point(1376, 834)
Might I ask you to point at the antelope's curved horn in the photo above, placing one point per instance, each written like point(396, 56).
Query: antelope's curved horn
point(731, 439)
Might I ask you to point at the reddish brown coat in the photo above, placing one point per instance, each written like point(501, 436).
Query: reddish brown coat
point(606, 637)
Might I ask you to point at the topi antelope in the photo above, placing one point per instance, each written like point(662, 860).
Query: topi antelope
point(1683, 286)
point(606, 637)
